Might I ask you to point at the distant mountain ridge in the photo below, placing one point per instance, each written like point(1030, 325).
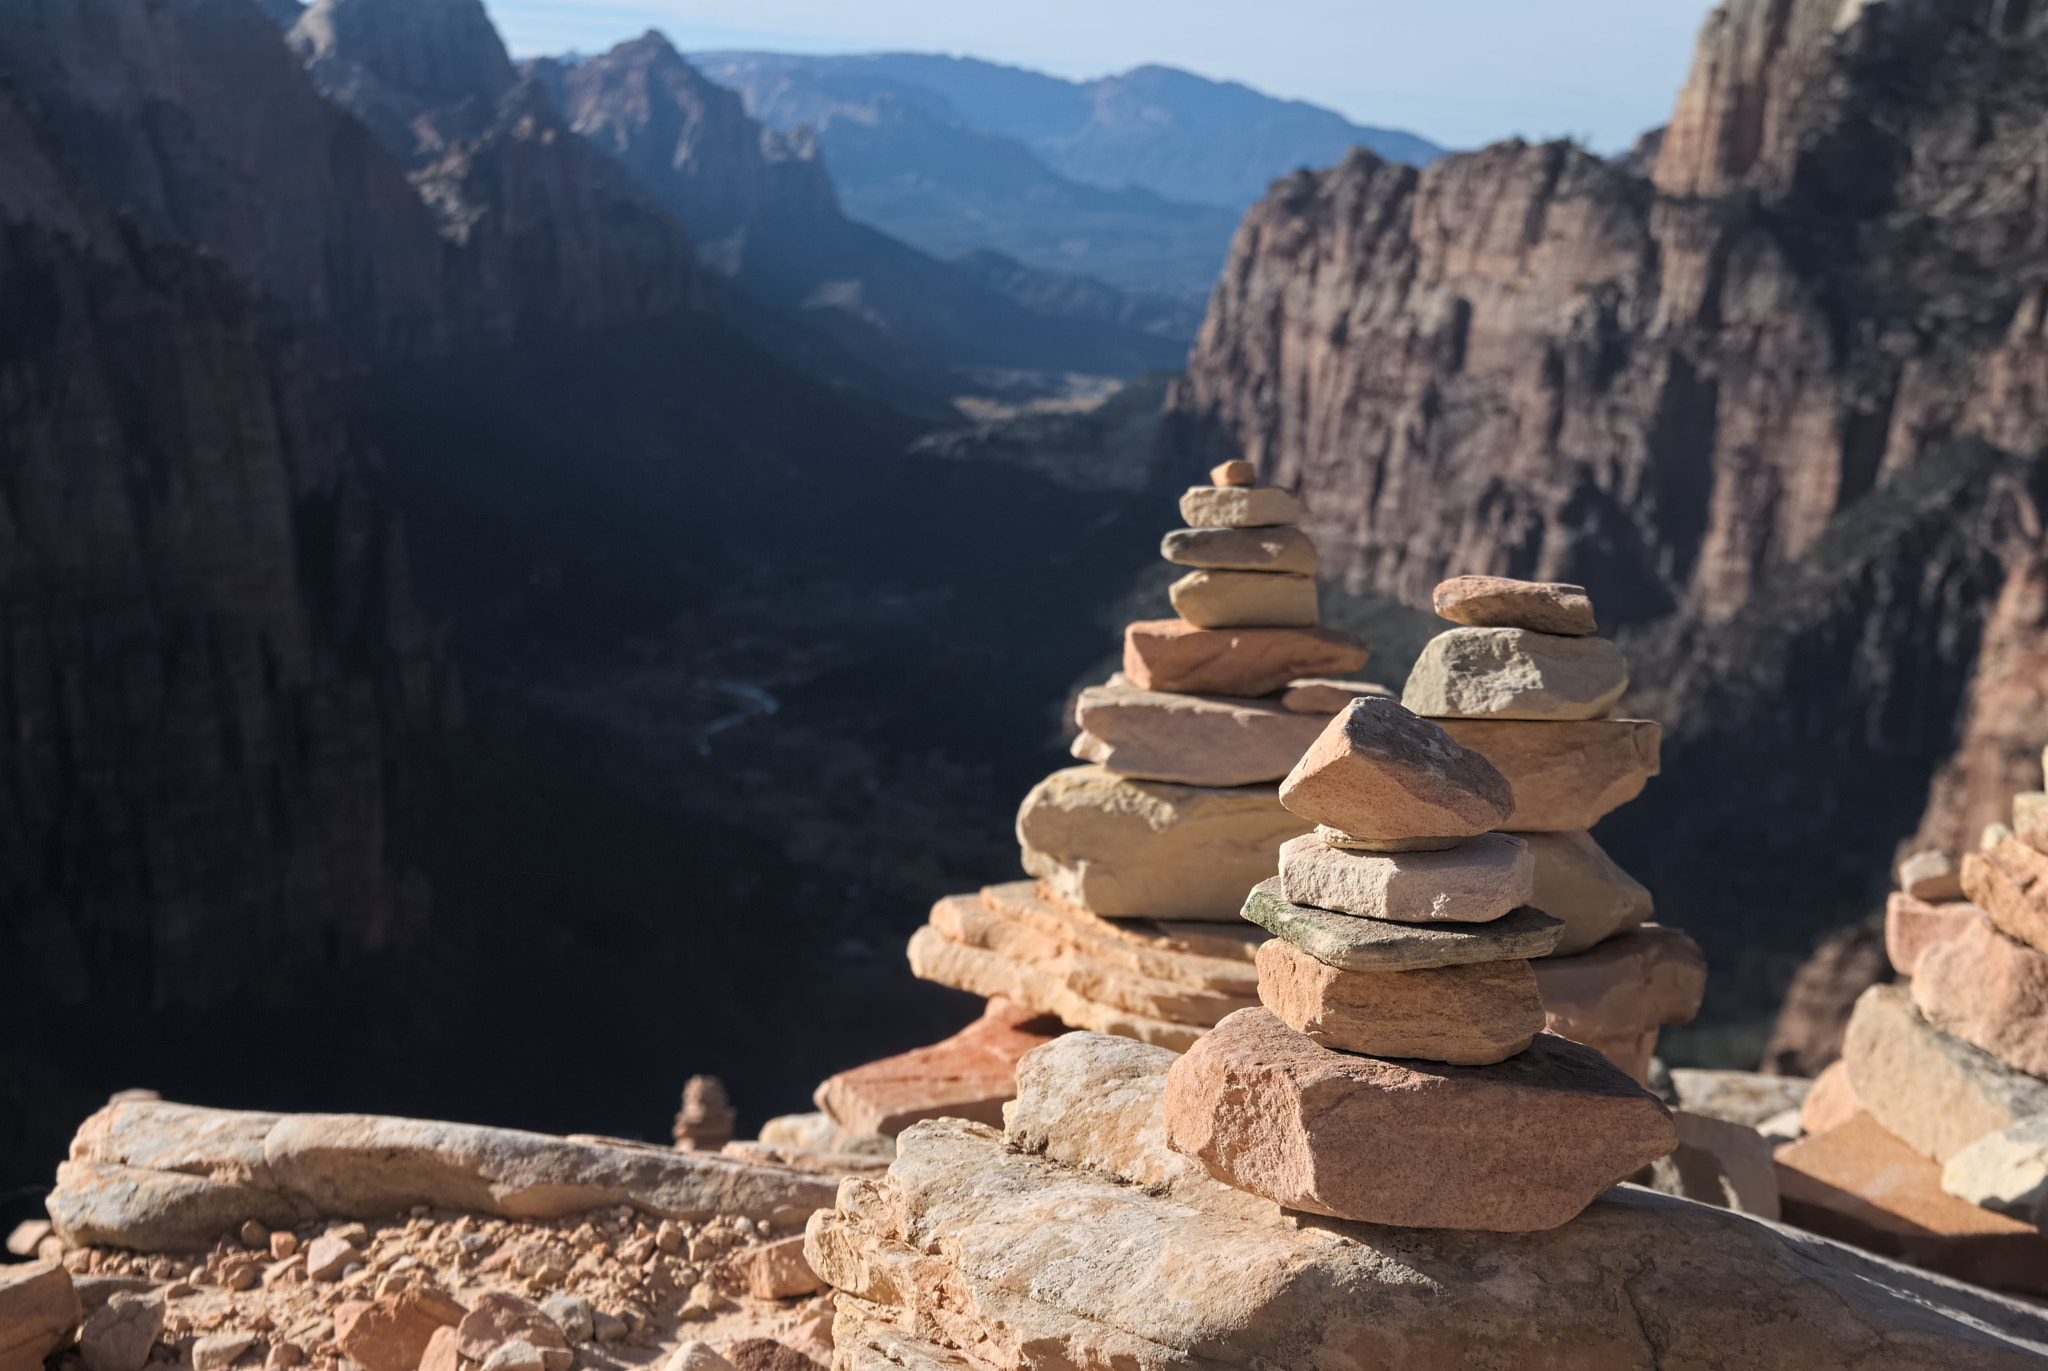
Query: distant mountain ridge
point(1137, 180)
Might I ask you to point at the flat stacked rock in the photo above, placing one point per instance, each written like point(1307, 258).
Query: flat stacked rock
point(1400, 1018)
point(1932, 1143)
point(1523, 683)
point(1142, 854)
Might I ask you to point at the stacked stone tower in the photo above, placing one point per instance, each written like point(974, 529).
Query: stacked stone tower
point(1397, 1070)
point(1524, 683)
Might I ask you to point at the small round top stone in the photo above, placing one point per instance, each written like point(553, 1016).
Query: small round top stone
point(1497, 602)
point(1234, 474)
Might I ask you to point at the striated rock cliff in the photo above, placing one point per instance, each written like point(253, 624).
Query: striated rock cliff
point(210, 648)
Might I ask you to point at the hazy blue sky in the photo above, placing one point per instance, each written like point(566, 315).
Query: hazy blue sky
point(1463, 72)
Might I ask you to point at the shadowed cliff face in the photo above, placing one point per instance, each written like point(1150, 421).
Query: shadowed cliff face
point(1684, 389)
point(210, 646)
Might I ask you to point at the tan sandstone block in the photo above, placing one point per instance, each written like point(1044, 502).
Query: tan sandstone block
point(1245, 599)
point(392, 1333)
point(1989, 990)
point(1497, 602)
point(1521, 1145)
point(935, 957)
point(1172, 654)
point(1472, 1015)
point(2010, 884)
point(1155, 735)
point(1859, 1184)
point(1479, 880)
point(1240, 507)
point(1379, 773)
point(39, 1311)
point(1280, 548)
point(1568, 775)
point(1615, 997)
point(1911, 926)
point(1577, 881)
point(1311, 695)
point(966, 1076)
point(2030, 811)
point(1511, 673)
point(1832, 1101)
point(1931, 876)
point(1207, 956)
point(1123, 847)
point(1932, 1090)
point(1237, 472)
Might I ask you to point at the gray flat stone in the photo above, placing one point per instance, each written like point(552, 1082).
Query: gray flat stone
point(1354, 944)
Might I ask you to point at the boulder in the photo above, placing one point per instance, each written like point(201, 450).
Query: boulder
point(1616, 996)
point(966, 1076)
point(1477, 881)
point(1081, 1237)
point(1912, 925)
point(287, 1170)
point(1278, 548)
point(1190, 739)
point(1344, 940)
point(119, 1333)
point(1576, 881)
point(1245, 599)
point(1859, 1184)
point(498, 1319)
point(392, 1333)
point(1240, 507)
point(1934, 1092)
point(1380, 774)
point(1511, 673)
point(1566, 775)
point(1471, 1015)
point(1315, 695)
point(2010, 884)
point(1931, 876)
point(1497, 602)
point(1521, 1145)
point(1122, 847)
point(1990, 990)
point(1172, 654)
point(38, 1314)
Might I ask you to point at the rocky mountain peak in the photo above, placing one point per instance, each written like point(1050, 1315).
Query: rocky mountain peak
point(419, 73)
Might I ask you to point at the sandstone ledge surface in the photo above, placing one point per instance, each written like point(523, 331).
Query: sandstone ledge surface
point(1075, 1242)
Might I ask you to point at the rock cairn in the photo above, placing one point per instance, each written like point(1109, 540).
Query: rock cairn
point(1929, 1138)
point(1523, 682)
point(1141, 857)
point(1400, 1016)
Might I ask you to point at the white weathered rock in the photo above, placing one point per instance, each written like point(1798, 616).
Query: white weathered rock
point(1077, 1242)
point(1727, 1165)
point(1240, 507)
point(1344, 940)
point(696, 1356)
point(1123, 847)
point(1477, 881)
point(1208, 740)
point(1511, 673)
point(2005, 1172)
